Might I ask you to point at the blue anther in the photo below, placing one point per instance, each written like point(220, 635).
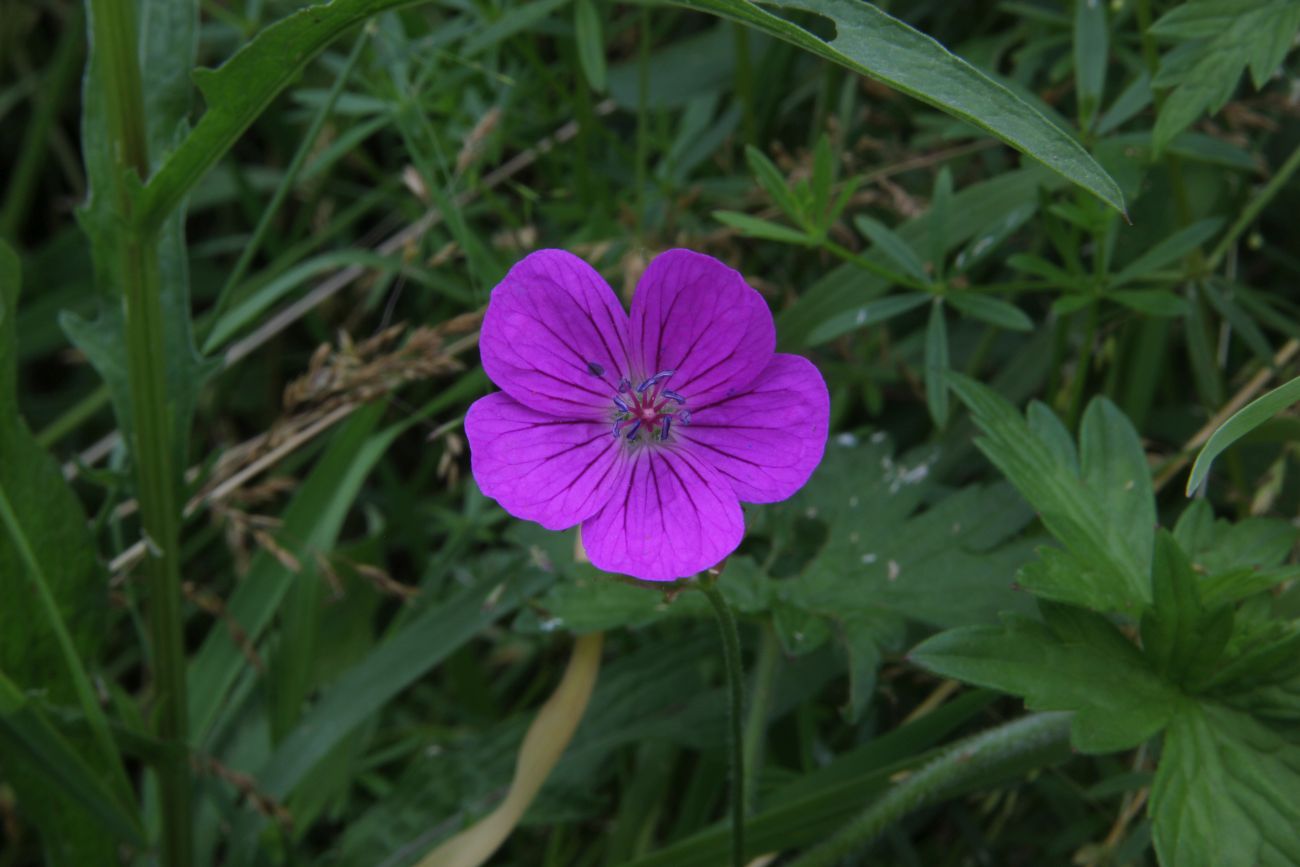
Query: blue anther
point(684, 416)
point(624, 385)
point(618, 423)
point(672, 395)
point(621, 404)
point(654, 380)
point(631, 434)
point(596, 369)
point(668, 424)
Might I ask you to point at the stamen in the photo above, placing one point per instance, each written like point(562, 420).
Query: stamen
point(596, 369)
point(668, 424)
point(618, 423)
point(621, 404)
point(672, 395)
point(654, 380)
point(684, 416)
point(631, 434)
point(624, 385)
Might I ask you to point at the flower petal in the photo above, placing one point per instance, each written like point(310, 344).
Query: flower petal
point(543, 468)
point(693, 315)
point(554, 336)
point(674, 517)
point(767, 440)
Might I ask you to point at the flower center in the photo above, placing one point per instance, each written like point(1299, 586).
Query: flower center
point(650, 409)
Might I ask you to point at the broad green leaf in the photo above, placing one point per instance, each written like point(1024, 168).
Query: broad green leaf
point(1225, 792)
point(52, 619)
point(892, 246)
point(1242, 422)
point(1077, 661)
point(1235, 559)
point(992, 310)
point(591, 42)
point(871, 313)
point(1222, 38)
point(936, 364)
point(1102, 511)
point(1180, 636)
point(1168, 251)
point(878, 45)
point(755, 227)
point(34, 749)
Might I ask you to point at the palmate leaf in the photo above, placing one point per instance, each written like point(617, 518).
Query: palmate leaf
point(1097, 501)
point(1227, 792)
point(876, 44)
point(1221, 39)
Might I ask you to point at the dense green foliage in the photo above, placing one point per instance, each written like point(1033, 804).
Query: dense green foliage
point(1042, 251)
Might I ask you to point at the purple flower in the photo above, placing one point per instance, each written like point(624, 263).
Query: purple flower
point(649, 430)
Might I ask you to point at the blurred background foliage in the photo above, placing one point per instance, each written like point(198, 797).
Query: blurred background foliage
point(368, 636)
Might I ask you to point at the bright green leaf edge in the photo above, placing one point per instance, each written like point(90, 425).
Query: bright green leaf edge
point(878, 45)
point(1243, 421)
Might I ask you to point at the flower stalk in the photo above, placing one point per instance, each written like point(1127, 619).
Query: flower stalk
point(735, 706)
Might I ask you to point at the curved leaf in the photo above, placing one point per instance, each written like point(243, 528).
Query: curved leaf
point(1245, 420)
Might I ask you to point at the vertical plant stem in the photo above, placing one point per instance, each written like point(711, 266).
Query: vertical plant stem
point(1252, 210)
point(735, 701)
point(642, 122)
point(745, 84)
point(154, 452)
point(760, 696)
point(1040, 734)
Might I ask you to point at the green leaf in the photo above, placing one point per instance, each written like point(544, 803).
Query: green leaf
point(823, 176)
point(940, 217)
point(1181, 638)
point(895, 248)
point(878, 45)
point(1153, 302)
point(1225, 792)
point(54, 593)
point(992, 310)
point(871, 313)
point(770, 179)
point(1091, 47)
point(1102, 511)
point(1168, 251)
point(1225, 36)
point(241, 89)
point(1077, 661)
point(1242, 422)
point(936, 365)
point(755, 227)
point(591, 42)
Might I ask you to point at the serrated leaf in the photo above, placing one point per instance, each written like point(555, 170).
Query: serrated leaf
point(1103, 512)
point(1079, 663)
point(876, 44)
point(992, 310)
point(1180, 636)
point(1225, 792)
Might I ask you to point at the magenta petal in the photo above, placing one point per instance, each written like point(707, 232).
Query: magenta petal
point(767, 440)
point(693, 315)
point(554, 336)
point(674, 517)
point(542, 468)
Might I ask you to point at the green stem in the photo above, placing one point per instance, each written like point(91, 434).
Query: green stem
point(964, 762)
point(769, 652)
point(73, 417)
point(153, 450)
point(731, 661)
point(1251, 211)
point(745, 84)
